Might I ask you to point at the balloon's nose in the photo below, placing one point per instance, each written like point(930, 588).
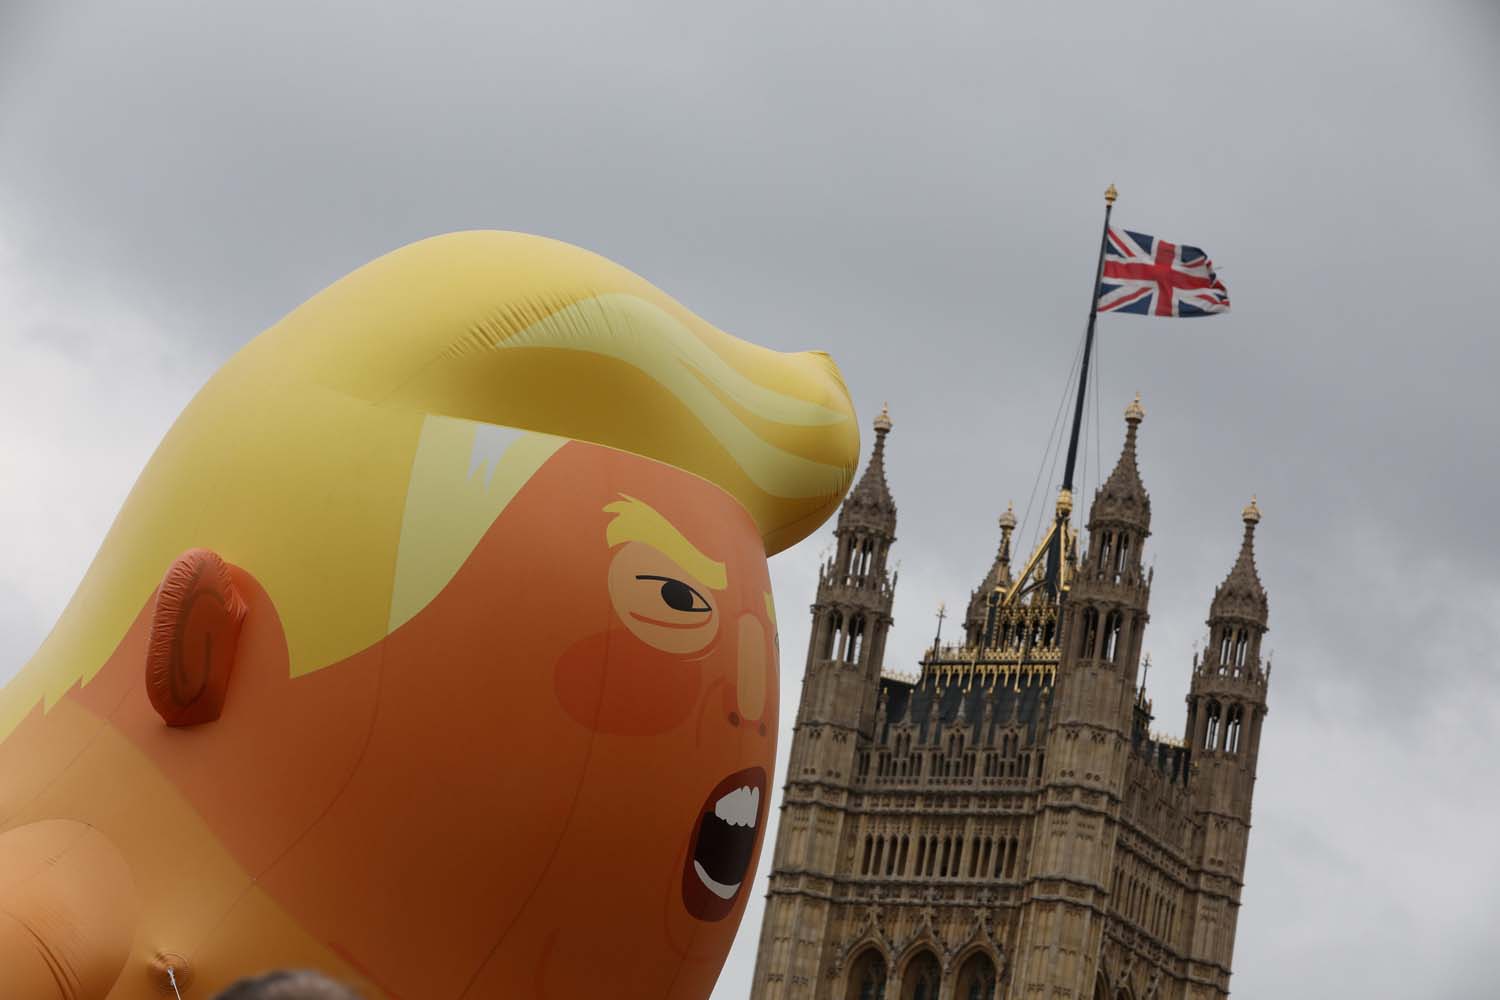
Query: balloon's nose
point(751, 686)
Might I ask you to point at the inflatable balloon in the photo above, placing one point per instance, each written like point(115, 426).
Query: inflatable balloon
point(434, 649)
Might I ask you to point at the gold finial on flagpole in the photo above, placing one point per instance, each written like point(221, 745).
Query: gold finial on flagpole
point(1110, 194)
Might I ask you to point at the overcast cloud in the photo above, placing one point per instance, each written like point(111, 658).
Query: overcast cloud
point(916, 189)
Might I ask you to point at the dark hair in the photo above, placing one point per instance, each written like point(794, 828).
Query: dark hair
point(288, 984)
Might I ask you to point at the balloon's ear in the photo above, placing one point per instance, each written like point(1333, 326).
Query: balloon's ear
point(195, 629)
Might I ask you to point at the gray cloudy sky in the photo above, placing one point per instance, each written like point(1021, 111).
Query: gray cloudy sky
point(915, 188)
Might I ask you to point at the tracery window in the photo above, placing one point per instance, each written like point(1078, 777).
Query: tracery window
point(923, 978)
point(867, 976)
point(976, 979)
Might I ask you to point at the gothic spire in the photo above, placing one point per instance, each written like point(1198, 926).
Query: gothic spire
point(1241, 595)
point(997, 577)
point(999, 574)
point(871, 496)
point(1123, 498)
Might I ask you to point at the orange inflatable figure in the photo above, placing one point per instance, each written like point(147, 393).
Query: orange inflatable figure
point(434, 649)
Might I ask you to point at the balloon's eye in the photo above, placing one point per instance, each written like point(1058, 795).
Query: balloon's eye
point(661, 603)
point(679, 596)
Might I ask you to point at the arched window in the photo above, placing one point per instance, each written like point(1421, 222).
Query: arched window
point(864, 865)
point(1104, 551)
point(863, 560)
point(1211, 736)
point(1235, 725)
point(976, 979)
point(1224, 647)
point(1121, 552)
point(1089, 624)
point(1241, 643)
point(923, 977)
point(1112, 626)
point(834, 634)
point(856, 639)
point(867, 976)
point(1101, 988)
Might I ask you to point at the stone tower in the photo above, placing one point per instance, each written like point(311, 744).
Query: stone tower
point(1226, 708)
point(851, 616)
point(1004, 824)
point(1089, 741)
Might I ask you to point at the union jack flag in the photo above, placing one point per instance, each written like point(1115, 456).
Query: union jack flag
point(1152, 277)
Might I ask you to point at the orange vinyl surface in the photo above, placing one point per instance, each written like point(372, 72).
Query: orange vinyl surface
point(434, 649)
point(445, 813)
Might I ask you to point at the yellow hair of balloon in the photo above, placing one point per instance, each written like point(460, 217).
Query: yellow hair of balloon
point(383, 424)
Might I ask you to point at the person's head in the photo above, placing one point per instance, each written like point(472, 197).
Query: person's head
point(288, 984)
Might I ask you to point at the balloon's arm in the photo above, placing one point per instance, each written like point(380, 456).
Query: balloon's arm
point(67, 912)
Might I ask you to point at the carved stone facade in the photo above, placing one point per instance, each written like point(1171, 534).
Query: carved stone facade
point(1004, 823)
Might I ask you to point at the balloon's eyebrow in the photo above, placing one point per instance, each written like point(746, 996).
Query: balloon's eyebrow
point(637, 521)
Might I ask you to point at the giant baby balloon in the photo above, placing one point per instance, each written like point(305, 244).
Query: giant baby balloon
point(433, 649)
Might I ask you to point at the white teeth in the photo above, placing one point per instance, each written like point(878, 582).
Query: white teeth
point(717, 888)
point(740, 807)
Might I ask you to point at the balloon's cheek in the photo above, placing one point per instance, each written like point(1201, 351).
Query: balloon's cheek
point(614, 683)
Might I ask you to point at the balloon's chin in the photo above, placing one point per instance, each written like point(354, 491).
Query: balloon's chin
point(723, 844)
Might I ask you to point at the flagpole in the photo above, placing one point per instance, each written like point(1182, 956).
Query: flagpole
point(1088, 340)
point(1065, 499)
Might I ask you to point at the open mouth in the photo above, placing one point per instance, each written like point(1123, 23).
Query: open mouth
point(723, 843)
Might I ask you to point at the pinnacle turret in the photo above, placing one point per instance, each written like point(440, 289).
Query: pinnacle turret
point(871, 498)
point(999, 574)
point(852, 612)
point(1242, 596)
point(1123, 500)
point(997, 577)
